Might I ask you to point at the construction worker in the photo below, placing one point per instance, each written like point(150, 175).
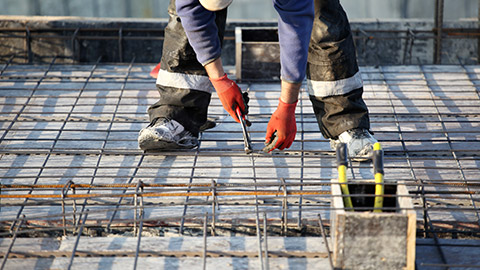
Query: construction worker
point(315, 40)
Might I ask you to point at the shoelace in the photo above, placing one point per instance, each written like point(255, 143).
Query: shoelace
point(359, 133)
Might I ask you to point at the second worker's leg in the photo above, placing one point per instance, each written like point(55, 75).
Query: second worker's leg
point(334, 81)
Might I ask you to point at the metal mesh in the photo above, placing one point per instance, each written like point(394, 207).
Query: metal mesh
point(70, 161)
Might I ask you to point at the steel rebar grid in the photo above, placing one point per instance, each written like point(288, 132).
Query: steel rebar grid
point(429, 227)
point(13, 180)
point(457, 162)
point(11, 124)
point(302, 141)
point(407, 156)
point(61, 129)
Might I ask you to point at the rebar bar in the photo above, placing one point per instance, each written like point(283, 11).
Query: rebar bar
point(137, 249)
point(427, 122)
point(77, 239)
point(265, 240)
point(204, 250)
point(322, 230)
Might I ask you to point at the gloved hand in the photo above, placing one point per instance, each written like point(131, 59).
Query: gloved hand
point(155, 70)
point(282, 128)
point(230, 95)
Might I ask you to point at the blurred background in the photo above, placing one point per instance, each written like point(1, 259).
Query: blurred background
point(240, 9)
point(388, 32)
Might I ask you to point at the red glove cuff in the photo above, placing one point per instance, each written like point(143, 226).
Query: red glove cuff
point(222, 84)
point(286, 107)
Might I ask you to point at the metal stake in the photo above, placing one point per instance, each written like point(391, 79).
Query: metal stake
point(204, 253)
point(322, 229)
point(214, 199)
point(284, 207)
point(64, 217)
point(265, 238)
point(77, 240)
point(137, 251)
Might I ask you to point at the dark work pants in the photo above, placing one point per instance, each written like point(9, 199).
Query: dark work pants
point(333, 79)
point(182, 82)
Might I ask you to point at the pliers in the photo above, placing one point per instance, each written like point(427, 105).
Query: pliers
point(246, 137)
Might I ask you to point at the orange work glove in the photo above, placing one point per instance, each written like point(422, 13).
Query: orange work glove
point(282, 128)
point(230, 95)
point(155, 70)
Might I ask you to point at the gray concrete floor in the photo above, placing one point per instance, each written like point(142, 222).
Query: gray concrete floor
point(78, 124)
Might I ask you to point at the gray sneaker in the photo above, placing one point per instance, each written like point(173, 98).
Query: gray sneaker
point(166, 134)
point(359, 143)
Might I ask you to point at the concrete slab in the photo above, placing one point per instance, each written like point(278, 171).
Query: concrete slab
point(80, 123)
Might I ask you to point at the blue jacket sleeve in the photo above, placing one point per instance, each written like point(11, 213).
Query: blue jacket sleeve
point(201, 30)
point(294, 30)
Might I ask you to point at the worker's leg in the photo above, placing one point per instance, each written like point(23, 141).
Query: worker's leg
point(183, 84)
point(334, 81)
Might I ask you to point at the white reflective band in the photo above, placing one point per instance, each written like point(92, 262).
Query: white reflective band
point(184, 81)
point(334, 88)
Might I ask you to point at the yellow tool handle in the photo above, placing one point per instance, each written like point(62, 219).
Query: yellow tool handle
point(342, 164)
point(342, 178)
point(379, 183)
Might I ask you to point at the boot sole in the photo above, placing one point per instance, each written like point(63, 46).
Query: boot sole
point(146, 145)
point(148, 141)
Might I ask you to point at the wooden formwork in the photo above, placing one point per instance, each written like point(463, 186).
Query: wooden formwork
point(367, 240)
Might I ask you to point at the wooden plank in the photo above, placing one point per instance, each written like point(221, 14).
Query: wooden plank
point(191, 263)
point(29, 263)
point(29, 245)
point(234, 243)
point(406, 205)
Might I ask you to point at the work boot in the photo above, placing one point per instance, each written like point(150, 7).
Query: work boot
point(166, 134)
point(359, 143)
point(210, 123)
